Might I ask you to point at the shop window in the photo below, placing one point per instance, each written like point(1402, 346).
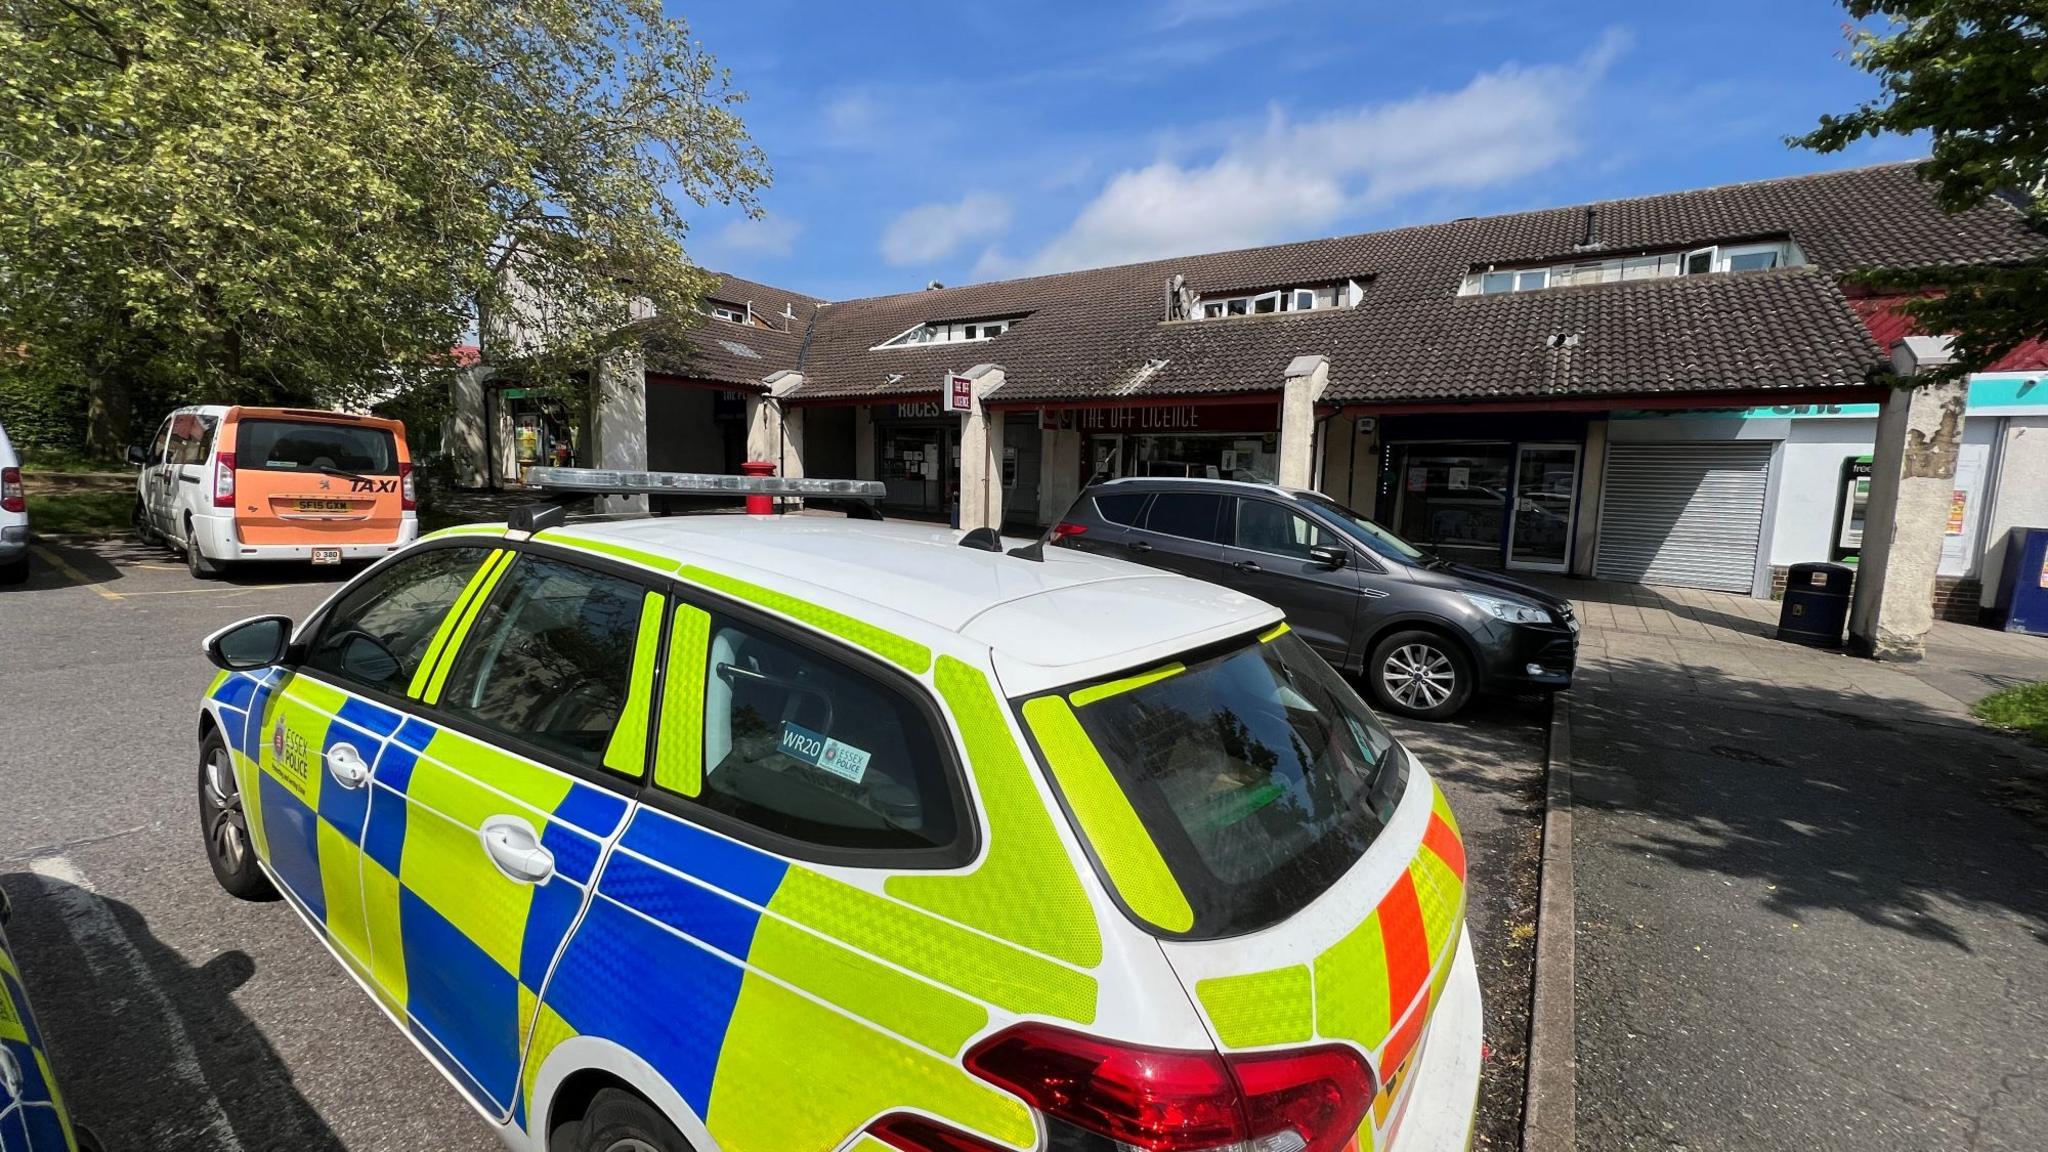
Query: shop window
point(1189, 515)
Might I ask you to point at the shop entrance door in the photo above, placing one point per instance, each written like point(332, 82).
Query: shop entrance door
point(1546, 496)
point(1453, 497)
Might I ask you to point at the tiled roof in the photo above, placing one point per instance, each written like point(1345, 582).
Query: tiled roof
point(1100, 334)
point(724, 352)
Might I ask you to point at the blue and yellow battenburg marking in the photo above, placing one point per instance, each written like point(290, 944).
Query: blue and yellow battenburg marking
point(750, 950)
point(33, 1120)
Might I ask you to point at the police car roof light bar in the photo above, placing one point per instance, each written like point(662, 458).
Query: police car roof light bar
point(615, 482)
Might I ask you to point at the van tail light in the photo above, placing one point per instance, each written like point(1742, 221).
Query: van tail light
point(1169, 1100)
point(224, 480)
point(1066, 528)
point(11, 496)
point(408, 492)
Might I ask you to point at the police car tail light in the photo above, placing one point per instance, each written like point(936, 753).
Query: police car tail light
point(408, 491)
point(224, 480)
point(10, 490)
point(1170, 1100)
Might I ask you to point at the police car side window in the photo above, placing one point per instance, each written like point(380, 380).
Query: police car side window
point(549, 660)
point(809, 746)
point(378, 634)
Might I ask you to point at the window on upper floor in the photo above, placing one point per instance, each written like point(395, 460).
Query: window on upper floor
point(1710, 260)
point(952, 332)
point(1308, 298)
point(737, 313)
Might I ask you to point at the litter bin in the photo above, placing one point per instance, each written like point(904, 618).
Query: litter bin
point(1816, 609)
point(2023, 593)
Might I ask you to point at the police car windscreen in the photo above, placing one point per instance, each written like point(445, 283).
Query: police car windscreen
point(295, 446)
point(1259, 773)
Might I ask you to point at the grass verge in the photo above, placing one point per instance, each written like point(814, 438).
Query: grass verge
point(2023, 709)
point(81, 513)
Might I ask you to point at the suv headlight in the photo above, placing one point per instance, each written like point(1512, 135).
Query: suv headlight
point(1512, 611)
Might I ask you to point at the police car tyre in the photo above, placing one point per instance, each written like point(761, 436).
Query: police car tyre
point(87, 1142)
point(196, 561)
point(619, 1122)
point(225, 827)
point(1420, 674)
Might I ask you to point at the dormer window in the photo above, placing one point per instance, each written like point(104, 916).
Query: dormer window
point(737, 313)
point(1707, 261)
point(952, 332)
point(1311, 298)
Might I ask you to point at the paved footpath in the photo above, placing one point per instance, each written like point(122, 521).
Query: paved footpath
point(1812, 893)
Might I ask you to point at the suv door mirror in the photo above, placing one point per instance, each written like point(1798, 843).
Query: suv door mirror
point(255, 643)
point(1329, 555)
point(137, 456)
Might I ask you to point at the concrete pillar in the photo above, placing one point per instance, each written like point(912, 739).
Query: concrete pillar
point(1912, 480)
point(618, 423)
point(864, 443)
point(783, 428)
point(1307, 377)
point(462, 437)
point(504, 454)
point(1592, 471)
point(1059, 472)
point(981, 455)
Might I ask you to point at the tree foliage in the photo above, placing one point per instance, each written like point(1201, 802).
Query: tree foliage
point(1974, 75)
point(312, 200)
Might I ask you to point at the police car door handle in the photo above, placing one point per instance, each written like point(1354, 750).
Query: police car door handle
point(346, 765)
point(515, 849)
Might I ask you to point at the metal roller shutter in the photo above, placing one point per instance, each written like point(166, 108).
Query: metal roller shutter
point(1689, 514)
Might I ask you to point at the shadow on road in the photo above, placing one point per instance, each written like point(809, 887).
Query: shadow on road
point(1894, 813)
point(152, 1051)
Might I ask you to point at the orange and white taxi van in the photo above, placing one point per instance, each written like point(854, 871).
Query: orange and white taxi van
point(227, 485)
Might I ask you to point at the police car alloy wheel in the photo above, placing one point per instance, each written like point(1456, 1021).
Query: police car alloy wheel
point(226, 826)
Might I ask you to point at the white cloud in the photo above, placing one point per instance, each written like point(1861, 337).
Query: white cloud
point(851, 118)
point(934, 231)
point(768, 236)
point(1291, 178)
point(1175, 13)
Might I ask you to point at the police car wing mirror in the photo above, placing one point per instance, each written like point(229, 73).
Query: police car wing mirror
point(257, 642)
point(1329, 555)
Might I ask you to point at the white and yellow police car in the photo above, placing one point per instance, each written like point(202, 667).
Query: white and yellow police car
point(799, 834)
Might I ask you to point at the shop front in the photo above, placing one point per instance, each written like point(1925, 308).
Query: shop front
point(539, 431)
point(917, 458)
point(1211, 441)
point(1485, 492)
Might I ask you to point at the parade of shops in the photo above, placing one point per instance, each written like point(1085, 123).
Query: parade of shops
point(1682, 389)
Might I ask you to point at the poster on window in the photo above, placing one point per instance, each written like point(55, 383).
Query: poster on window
point(1418, 479)
point(1461, 479)
point(1959, 536)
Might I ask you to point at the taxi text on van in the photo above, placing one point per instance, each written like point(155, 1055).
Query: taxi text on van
point(738, 834)
point(228, 485)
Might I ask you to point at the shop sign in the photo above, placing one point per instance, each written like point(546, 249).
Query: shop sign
point(1170, 418)
point(919, 410)
point(959, 394)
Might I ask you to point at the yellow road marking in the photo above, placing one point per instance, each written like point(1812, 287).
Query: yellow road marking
point(161, 567)
point(65, 569)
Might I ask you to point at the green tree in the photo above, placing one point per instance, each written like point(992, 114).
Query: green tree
point(313, 199)
point(1974, 75)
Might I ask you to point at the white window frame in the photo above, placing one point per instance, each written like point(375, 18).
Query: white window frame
point(1713, 254)
point(1726, 260)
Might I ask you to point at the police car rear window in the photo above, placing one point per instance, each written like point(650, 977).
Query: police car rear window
point(1257, 771)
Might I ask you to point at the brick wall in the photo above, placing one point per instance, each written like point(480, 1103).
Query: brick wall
point(1955, 597)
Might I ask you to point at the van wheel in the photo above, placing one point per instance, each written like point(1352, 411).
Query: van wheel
point(226, 825)
point(619, 1121)
point(1419, 674)
point(196, 561)
point(139, 517)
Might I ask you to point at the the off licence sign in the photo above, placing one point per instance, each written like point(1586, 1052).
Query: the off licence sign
point(959, 394)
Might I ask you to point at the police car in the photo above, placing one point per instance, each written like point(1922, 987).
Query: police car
point(783, 834)
point(32, 1115)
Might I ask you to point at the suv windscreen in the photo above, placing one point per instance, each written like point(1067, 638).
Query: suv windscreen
point(304, 446)
point(1259, 774)
point(1362, 529)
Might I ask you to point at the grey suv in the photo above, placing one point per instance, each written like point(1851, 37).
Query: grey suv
point(1422, 633)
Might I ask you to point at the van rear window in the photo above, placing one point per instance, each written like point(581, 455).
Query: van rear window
point(1257, 771)
point(305, 446)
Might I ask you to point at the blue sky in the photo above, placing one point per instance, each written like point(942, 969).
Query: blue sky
point(971, 141)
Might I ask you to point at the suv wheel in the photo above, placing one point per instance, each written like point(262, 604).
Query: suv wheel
point(1419, 674)
point(226, 825)
point(619, 1122)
